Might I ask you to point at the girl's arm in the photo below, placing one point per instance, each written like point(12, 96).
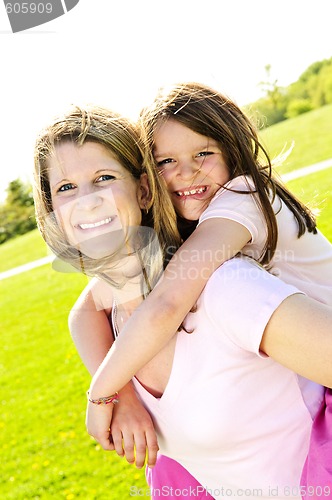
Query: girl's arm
point(132, 429)
point(298, 335)
point(157, 319)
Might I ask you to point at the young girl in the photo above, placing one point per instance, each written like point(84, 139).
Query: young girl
point(218, 174)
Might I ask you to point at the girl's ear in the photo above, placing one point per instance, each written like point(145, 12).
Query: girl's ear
point(144, 196)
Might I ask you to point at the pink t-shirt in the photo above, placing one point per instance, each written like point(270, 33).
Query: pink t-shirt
point(305, 262)
point(235, 419)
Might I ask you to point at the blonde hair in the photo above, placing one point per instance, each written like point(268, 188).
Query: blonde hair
point(210, 113)
point(122, 138)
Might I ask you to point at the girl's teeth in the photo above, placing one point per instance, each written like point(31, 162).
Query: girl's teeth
point(95, 224)
point(191, 192)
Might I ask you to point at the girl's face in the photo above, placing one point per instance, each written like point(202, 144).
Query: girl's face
point(96, 200)
point(192, 166)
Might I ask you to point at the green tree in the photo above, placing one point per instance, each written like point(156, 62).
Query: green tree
point(312, 90)
point(271, 88)
point(326, 82)
point(272, 107)
point(17, 212)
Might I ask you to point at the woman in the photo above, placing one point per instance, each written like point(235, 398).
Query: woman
point(97, 199)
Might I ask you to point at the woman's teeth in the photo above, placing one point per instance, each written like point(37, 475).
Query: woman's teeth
point(95, 224)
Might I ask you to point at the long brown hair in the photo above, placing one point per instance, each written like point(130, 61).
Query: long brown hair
point(210, 113)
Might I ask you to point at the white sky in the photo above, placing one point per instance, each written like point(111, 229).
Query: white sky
point(118, 52)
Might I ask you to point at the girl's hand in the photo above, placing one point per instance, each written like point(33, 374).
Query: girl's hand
point(132, 430)
point(98, 421)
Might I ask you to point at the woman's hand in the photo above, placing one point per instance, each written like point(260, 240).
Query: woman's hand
point(132, 430)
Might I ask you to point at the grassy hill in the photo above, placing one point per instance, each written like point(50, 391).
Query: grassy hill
point(312, 136)
point(46, 453)
point(22, 249)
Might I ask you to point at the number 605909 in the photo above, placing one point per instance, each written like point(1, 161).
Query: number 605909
point(29, 8)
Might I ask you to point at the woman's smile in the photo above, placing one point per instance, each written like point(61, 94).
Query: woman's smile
point(93, 197)
point(92, 225)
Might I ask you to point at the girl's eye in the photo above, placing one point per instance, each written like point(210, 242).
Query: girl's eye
point(66, 187)
point(167, 161)
point(105, 177)
point(204, 153)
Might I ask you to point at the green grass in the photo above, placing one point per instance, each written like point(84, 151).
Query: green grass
point(45, 450)
point(21, 250)
point(311, 132)
point(315, 191)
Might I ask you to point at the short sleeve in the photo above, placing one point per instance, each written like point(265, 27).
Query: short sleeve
point(240, 299)
point(229, 203)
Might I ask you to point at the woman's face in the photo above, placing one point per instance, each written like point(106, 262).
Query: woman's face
point(192, 166)
point(96, 200)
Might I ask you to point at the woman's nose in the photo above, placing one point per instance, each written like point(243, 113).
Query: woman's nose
point(89, 201)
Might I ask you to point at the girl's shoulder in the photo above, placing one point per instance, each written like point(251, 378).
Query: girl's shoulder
point(235, 195)
point(237, 185)
point(241, 183)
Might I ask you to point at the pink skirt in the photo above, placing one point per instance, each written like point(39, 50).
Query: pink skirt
point(316, 480)
point(168, 479)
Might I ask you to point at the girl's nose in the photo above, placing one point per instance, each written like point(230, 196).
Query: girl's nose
point(188, 169)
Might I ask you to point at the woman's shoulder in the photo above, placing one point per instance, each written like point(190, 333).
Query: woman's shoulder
point(99, 292)
point(242, 276)
point(240, 298)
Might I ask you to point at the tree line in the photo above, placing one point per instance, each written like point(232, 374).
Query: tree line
point(312, 90)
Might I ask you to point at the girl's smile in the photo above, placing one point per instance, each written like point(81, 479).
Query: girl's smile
point(192, 166)
point(195, 192)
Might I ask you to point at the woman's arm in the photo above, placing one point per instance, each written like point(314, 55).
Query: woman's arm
point(90, 330)
point(299, 336)
point(157, 319)
point(132, 429)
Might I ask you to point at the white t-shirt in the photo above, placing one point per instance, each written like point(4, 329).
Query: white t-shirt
point(305, 262)
point(235, 419)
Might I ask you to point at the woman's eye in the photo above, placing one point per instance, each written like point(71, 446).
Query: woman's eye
point(105, 177)
point(66, 187)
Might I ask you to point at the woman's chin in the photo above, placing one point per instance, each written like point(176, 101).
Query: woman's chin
point(106, 245)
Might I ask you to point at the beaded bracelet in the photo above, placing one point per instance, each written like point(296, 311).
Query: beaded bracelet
point(104, 401)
